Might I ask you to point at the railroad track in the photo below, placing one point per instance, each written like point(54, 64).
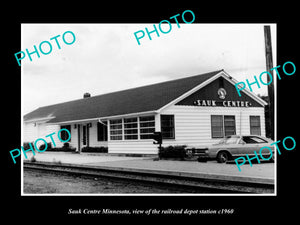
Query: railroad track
point(200, 184)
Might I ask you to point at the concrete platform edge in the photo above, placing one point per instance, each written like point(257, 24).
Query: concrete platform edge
point(209, 176)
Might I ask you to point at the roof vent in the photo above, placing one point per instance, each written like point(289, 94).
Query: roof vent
point(86, 95)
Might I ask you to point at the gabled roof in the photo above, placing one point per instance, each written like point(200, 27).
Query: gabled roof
point(140, 99)
point(136, 100)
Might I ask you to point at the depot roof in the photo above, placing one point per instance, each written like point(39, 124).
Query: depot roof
point(136, 100)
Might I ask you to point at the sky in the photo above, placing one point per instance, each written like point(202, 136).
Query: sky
point(106, 57)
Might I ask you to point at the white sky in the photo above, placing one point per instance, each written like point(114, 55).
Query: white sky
point(106, 57)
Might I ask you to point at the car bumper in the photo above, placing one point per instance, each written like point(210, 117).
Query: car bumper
point(198, 152)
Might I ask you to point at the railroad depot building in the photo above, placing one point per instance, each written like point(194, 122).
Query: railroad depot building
point(194, 111)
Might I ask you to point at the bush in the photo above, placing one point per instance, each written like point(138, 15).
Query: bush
point(66, 145)
point(65, 148)
point(177, 151)
point(49, 146)
point(101, 149)
point(62, 149)
point(42, 146)
point(26, 145)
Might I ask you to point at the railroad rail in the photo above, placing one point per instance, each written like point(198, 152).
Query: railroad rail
point(201, 183)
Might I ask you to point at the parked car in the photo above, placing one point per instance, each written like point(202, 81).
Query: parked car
point(233, 146)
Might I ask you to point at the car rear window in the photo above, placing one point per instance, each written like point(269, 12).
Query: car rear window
point(253, 140)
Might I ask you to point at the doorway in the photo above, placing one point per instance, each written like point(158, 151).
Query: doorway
point(85, 136)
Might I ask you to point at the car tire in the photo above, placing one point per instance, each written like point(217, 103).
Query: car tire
point(223, 157)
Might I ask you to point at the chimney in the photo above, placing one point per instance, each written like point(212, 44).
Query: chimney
point(86, 95)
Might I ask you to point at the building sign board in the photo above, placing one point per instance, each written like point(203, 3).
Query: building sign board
point(219, 93)
point(222, 103)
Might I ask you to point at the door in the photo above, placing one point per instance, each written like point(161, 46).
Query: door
point(78, 138)
point(85, 136)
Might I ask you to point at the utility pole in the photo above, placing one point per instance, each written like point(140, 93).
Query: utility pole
point(269, 66)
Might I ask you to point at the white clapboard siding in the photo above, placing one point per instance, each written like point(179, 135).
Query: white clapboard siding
point(193, 123)
point(133, 147)
point(93, 138)
point(30, 132)
point(93, 142)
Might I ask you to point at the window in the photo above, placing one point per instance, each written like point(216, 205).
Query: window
point(217, 126)
point(167, 126)
point(102, 131)
point(229, 125)
point(130, 128)
point(255, 125)
point(147, 127)
point(222, 126)
point(116, 131)
point(64, 134)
